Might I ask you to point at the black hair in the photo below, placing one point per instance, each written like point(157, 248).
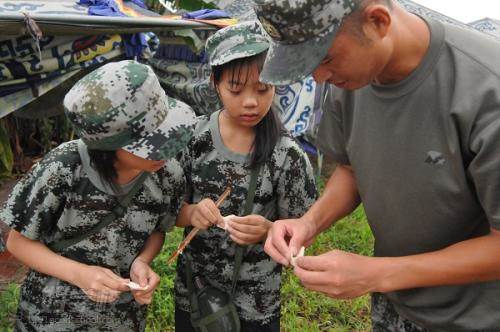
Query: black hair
point(269, 130)
point(104, 163)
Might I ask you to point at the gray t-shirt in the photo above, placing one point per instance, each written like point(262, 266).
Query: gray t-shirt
point(426, 156)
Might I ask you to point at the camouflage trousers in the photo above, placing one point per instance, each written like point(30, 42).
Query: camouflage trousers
point(49, 304)
point(386, 319)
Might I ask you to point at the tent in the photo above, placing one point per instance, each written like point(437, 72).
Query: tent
point(50, 44)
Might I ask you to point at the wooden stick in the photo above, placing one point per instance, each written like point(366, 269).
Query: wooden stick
point(195, 230)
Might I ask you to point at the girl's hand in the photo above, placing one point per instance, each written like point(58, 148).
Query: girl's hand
point(205, 214)
point(249, 229)
point(142, 274)
point(100, 284)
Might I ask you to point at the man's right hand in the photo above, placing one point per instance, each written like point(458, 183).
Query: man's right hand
point(101, 284)
point(286, 237)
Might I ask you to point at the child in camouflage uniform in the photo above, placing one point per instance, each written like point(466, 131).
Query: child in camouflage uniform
point(128, 126)
point(227, 144)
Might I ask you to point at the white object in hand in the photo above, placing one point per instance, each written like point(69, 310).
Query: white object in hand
point(226, 220)
point(134, 286)
point(294, 258)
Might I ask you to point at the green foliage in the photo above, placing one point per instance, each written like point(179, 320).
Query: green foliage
point(8, 306)
point(188, 5)
point(161, 310)
point(6, 155)
point(21, 138)
point(191, 5)
point(301, 310)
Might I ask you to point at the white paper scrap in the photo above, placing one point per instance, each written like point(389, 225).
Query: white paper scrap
point(134, 286)
point(294, 258)
point(226, 221)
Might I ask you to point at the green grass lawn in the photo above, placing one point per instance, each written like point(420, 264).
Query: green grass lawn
point(301, 310)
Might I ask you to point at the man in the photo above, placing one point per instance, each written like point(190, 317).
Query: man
point(414, 126)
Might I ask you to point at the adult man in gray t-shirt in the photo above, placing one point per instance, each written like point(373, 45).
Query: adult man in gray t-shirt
point(414, 123)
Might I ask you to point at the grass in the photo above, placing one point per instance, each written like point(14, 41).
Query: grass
point(302, 310)
point(8, 306)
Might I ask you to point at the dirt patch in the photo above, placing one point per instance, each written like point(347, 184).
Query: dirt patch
point(11, 270)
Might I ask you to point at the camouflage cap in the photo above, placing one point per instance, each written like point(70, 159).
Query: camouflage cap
point(122, 105)
point(236, 42)
point(302, 31)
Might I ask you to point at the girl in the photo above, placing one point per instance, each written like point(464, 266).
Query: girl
point(245, 135)
point(115, 172)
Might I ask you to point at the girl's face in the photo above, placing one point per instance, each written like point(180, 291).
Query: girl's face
point(127, 160)
point(246, 101)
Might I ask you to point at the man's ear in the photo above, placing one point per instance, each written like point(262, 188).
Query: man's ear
point(377, 20)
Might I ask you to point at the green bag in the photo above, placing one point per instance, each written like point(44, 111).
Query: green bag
point(213, 310)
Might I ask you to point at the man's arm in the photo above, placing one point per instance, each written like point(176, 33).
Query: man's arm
point(470, 261)
point(340, 274)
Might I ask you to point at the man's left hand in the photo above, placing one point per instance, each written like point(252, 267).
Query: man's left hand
point(338, 274)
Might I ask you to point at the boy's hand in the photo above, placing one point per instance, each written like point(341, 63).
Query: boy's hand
point(205, 214)
point(249, 229)
point(100, 284)
point(142, 274)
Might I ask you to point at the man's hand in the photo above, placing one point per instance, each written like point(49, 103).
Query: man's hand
point(286, 237)
point(142, 274)
point(338, 274)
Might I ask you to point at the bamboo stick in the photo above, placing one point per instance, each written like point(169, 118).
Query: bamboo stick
point(195, 230)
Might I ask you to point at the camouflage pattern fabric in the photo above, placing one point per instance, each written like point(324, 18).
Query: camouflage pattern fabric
point(21, 62)
point(57, 200)
point(20, 66)
point(285, 188)
point(236, 42)
point(189, 82)
point(122, 105)
point(301, 32)
point(386, 319)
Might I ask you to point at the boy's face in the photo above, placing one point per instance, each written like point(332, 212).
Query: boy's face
point(246, 100)
point(127, 160)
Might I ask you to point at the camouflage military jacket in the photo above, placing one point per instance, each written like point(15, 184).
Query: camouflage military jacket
point(285, 188)
point(56, 200)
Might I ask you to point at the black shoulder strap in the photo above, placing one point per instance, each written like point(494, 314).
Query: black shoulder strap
point(117, 212)
point(240, 250)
